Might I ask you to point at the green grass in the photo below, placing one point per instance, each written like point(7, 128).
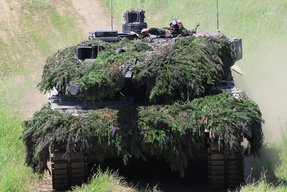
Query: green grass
point(43, 33)
point(9, 97)
point(281, 168)
point(14, 176)
point(264, 186)
point(105, 181)
point(110, 181)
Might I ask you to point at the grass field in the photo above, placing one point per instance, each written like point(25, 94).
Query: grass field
point(13, 175)
point(105, 181)
point(37, 30)
point(11, 147)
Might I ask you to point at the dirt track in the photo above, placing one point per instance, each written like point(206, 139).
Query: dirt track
point(92, 15)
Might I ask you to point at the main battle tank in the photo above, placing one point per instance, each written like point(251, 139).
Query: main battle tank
point(124, 96)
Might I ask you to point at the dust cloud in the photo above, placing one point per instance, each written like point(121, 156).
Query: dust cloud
point(264, 81)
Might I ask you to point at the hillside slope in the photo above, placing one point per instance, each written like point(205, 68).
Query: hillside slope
point(91, 15)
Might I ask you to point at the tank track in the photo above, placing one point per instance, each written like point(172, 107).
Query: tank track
point(225, 168)
point(67, 170)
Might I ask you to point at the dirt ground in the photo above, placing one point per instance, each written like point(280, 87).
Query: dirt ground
point(91, 15)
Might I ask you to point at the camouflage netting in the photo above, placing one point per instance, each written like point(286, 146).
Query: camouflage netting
point(98, 80)
point(176, 71)
point(174, 132)
point(173, 79)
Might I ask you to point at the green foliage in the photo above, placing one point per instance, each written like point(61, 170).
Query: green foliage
point(110, 181)
point(58, 72)
point(186, 69)
point(105, 181)
point(176, 71)
point(264, 186)
point(77, 133)
point(98, 80)
point(240, 116)
point(174, 132)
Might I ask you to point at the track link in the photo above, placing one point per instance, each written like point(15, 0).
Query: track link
point(225, 168)
point(67, 171)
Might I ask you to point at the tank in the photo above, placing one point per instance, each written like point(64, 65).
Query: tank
point(143, 98)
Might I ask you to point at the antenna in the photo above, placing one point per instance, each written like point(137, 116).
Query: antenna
point(217, 14)
point(112, 17)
